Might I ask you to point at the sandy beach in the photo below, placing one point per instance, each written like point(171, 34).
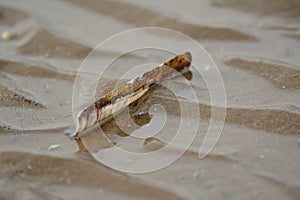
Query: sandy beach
point(256, 46)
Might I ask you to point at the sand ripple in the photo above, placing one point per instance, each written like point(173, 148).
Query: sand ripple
point(11, 16)
point(44, 43)
point(282, 76)
point(289, 8)
point(32, 70)
point(29, 171)
point(10, 98)
point(142, 17)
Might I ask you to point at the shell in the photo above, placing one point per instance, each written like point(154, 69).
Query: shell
point(128, 93)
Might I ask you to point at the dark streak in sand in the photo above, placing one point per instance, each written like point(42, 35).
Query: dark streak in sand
point(142, 17)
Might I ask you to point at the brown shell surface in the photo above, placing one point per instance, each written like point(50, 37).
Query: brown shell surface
point(130, 92)
point(167, 70)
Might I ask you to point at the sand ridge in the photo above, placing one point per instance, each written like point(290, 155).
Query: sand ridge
point(142, 17)
point(282, 76)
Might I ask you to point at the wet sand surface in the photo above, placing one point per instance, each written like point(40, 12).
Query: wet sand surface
point(256, 47)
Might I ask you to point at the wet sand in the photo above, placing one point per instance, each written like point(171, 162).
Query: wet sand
point(256, 47)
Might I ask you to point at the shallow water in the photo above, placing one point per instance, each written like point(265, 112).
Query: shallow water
point(256, 48)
